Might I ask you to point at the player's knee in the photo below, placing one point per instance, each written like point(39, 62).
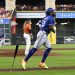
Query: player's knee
point(28, 43)
point(26, 52)
point(33, 50)
point(49, 49)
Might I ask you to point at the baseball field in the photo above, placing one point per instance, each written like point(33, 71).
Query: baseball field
point(61, 61)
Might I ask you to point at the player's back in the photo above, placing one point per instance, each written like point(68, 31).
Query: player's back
point(26, 28)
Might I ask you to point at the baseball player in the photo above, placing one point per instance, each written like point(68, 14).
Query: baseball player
point(47, 24)
point(27, 35)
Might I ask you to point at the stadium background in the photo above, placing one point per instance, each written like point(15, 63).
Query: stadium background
point(34, 10)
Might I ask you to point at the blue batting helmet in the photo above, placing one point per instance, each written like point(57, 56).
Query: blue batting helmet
point(49, 10)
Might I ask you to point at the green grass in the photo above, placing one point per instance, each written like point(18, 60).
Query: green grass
point(45, 72)
point(6, 62)
point(65, 52)
point(63, 46)
point(42, 47)
point(67, 58)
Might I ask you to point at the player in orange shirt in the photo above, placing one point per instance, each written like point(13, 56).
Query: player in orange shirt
point(27, 35)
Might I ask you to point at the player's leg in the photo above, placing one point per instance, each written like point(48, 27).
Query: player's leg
point(46, 53)
point(37, 44)
point(24, 61)
point(28, 44)
point(39, 41)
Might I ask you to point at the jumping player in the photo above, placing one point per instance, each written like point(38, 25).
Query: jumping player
point(47, 24)
point(27, 35)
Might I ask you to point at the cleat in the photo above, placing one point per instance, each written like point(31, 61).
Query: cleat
point(42, 65)
point(23, 64)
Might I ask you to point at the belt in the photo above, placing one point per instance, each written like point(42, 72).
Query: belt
point(26, 33)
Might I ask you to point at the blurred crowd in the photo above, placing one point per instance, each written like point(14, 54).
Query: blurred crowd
point(30, 7)
point(5, 13)
point(65, 7)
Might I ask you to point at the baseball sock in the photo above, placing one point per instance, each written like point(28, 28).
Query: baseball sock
point(46, 54)
point(32, 51)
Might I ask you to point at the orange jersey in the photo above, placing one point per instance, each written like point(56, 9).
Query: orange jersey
point(26, 28)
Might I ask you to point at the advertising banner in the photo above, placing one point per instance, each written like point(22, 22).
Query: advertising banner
point(5, 21)
point(65, 14)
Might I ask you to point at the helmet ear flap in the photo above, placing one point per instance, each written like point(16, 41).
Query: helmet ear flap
point(47, 13)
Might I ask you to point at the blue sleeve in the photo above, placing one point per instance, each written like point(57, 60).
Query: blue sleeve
point(51, 21)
